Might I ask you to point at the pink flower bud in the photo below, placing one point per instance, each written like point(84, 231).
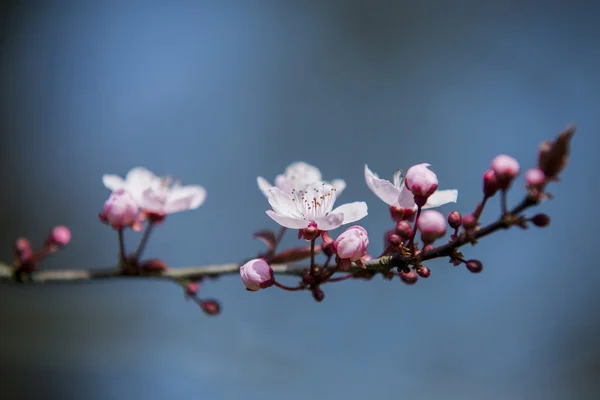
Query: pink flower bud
point(410, 277)
point(154, 265)
point(535, 177)
point(455, 220)
point(422, 182)
point(490, 183)
point(352, 244)
point(318, 295)
point(469, 222)
point(191, 289)
point(423, 271)
point(399, 213)
point(60, 236)
point(506, 169)
point(120, 210)
point(475, 266)
point(23, 250)
point(432, 225)
point(256, 274)
point(404, 230)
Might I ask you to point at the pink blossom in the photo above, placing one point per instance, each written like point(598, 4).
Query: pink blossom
point(506, 168)
point(256, 274)
point(352, 244)
point(490, 183)
point(120, 210)
point(421, 181)
point(432, 225)
point(535, 177)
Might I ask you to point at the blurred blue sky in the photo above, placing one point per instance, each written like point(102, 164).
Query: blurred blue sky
point(218, 94)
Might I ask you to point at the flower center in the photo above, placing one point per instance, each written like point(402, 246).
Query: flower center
point(313, 203)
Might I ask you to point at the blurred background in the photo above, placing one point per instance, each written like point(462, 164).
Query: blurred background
point(217, 93)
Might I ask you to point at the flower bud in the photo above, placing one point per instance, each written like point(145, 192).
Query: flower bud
point(410, 277)
point(392, 239)
point(256, 274)
point(423, 271)
point(535, 177)
point(191, 289)
point(490, 183)
point(154, 265)
point(422, 182)
point(506, 168)
point(432, 225)
point(352, 243)
point(469, 222)
point(210, 307)
point(59, 236)
point(541, 220)
point(475, 266)
point(400, 213)
point(318, 295)
point(455, 220)
point(120, 210)
point(23, 250)
point(404, 230)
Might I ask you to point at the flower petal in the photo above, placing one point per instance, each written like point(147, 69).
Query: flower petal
point(339, 185)
point(152, 200)
point(330, 222)
point(383, 189)
point(263, 185)
point(184, 198)
point(113, 182)
point(440, 197)
point(352, 211)
point(139, 179)
point(287, 221)
point(302, 173)
point(406, 199)
point(282, 203)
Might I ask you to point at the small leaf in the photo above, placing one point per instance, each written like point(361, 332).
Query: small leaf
point(267, 236)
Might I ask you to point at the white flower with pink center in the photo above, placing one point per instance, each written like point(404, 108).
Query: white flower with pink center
point(297, 176)
point(312, 207)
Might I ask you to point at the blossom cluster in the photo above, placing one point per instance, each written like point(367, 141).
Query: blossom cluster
point(301, 200)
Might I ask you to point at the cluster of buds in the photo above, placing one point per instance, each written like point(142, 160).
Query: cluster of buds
point(27, 260)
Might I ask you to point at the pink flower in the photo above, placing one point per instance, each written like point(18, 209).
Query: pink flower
point(297, 176)
point(312, 208)
point(535, 177)
point(432, 225)
point(400, 199)
point(256, 274)
point(60, 236)
point(120, 210)
point(421, 181)
point(352, 244)
point(506, 168)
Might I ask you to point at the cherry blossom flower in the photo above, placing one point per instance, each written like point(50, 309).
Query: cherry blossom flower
point(136, 182)
point(167, 198)
point(312, 207)
point(396, 194)
point(256, 274)
point(297, 176)
point(155, 194)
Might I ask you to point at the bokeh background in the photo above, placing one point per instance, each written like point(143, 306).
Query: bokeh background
point(217, 93)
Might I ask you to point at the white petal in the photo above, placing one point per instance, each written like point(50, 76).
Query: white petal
point(406, 199)
point(383, 189)
point(138, 180)
point(302, 173)
point(282, 203)
point(185, 198)
point(330, 222)
point(440, 197)
point(286, 221)
point(352, 211)
point(339, 185)
point(153, 200)
point(113, 182)
point(263, 185)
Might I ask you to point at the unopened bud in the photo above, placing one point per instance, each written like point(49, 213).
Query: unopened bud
point(23, 250)
point(154, 265)
point(422, 182)
point(404, 230)
point(352, 244)
point(469, 222)
point(392, 239)
point(535, 177)
point(210, 307)
point(506, 169)
point(318, 295)
point(423, 271)
point(191, 289)
point(454, 220)
point(475, 266)
point(257, 274)
point(490, 183)
point(60, 236)
point(409, 277)
point(432, 225)
point(541, 220)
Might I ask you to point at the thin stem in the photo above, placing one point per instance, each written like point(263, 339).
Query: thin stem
point(288, 288)
point(503, 202)
point(122, 260)
point(144, 240)
point(414, 233)
point(341, 278)
point(313, 266)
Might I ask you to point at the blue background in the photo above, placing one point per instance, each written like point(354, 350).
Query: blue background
point(218, 93)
